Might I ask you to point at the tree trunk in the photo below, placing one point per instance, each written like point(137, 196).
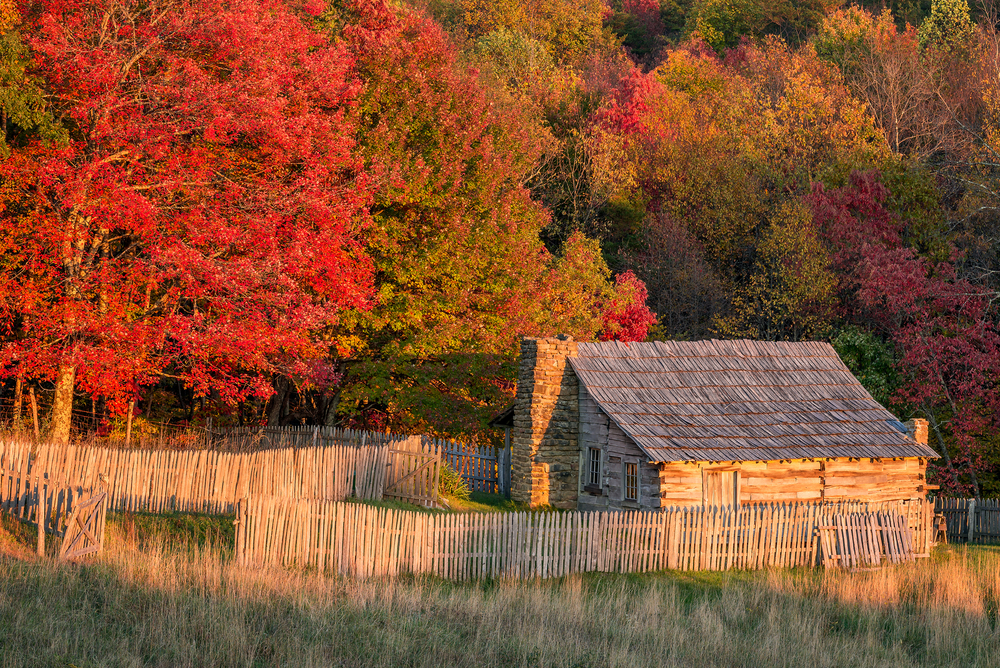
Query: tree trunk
point(62, 405)
point(18, 400)
point(276, 412)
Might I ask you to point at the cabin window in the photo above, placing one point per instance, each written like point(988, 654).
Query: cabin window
point(595, 467)
point(721, 487)
point(631, 481)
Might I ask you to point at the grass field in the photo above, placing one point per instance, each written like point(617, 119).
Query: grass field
point(165, 593)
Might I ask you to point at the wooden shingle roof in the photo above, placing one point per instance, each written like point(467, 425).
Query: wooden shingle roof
point(739, 401)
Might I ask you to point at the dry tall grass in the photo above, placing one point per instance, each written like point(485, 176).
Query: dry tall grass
point(150, 602)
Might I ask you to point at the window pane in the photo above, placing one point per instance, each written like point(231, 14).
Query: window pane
point(631, 481)
point(595, 467)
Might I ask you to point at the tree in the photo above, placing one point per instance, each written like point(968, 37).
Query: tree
point(948, 347)
point(949, 27)
point(201, 220)
point(22, 103)
point(726, 147)
point(626, 316)
point(460, 271)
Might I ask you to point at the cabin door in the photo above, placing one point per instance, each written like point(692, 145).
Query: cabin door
point(720, 487)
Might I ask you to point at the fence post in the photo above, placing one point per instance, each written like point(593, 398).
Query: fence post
point(40, 517)
point(128, 423)
point(240, 523)
point(503, 466)
point(972, 521)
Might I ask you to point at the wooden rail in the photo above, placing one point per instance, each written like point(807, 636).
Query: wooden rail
point(361, 540)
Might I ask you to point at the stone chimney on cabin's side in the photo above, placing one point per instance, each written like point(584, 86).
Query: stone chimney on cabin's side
point(917, 430)
point(545, 454)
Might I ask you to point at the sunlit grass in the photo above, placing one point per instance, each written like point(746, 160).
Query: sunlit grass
point(166, 593)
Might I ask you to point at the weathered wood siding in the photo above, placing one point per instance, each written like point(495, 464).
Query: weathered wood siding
point(802, 480)
point(597, 431)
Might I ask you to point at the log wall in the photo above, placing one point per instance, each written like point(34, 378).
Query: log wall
point(803, 480)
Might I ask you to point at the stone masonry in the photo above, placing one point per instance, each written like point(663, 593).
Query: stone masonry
point(917, 430)
point(545, 453)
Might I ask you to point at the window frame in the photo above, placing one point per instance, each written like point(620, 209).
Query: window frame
point(625, 481)
point(594, 458)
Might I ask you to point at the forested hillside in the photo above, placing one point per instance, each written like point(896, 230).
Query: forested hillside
point(292, 211)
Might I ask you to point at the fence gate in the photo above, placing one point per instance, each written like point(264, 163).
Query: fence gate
point(413, 471)
point(85, 529)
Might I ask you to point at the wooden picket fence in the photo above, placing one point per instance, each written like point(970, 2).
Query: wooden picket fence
point(970, 520)
point(484, 469)
point(209, 481)
point(361, 540)
point(858, 540)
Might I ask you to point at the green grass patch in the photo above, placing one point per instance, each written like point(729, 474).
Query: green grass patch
point(484, 502)
point(174, 528)
point(481, 502)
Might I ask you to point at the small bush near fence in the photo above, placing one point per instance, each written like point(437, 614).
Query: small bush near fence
point(452, 484)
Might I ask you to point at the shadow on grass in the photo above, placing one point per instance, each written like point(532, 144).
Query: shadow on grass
point(174, 528)
point(145, 605)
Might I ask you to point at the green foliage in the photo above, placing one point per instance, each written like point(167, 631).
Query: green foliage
point(914, 197)
point(451, 484)
point(847, 35)
point(568, 30)
point(873, 362)
point(673, 14)
point(22, 102)
point(517, 59)
point(948, 29)
point(791, 292)
point(721, 23)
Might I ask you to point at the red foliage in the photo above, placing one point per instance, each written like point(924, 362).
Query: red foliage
point(626, 317)
point(624, 112)
point(949, 347)
point(201, 221)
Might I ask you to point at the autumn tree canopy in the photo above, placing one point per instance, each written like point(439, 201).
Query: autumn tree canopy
point(349, 211)
point(198, 218)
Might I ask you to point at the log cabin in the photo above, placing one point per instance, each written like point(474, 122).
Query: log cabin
point(608, 425)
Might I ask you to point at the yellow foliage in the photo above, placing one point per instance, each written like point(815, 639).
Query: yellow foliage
point(9, 16)
point(792, 290)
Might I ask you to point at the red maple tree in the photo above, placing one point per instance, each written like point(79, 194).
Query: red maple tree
point(201, 220)
point(949, 349)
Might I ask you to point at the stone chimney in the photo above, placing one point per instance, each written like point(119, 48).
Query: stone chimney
point(545, 454)
point(917, 430)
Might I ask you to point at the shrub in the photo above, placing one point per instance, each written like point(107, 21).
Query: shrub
point(451, 484)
